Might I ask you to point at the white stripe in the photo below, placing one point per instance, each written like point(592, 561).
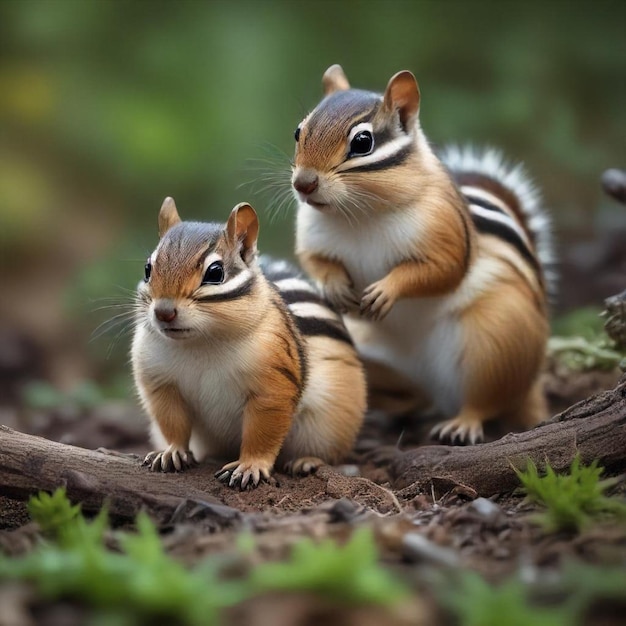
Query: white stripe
point(311, 309)
point(211, 258)
point(477, 192)
point(387, 150)
point(358, 128)
point(490, 162)
point(505, 220)
point(230, 285)
point(295, 284)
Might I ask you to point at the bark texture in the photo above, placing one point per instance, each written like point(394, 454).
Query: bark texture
point(29, 464)
point(595, 428)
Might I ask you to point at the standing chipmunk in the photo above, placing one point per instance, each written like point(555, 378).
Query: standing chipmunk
point(232, 361)
point(442, 266)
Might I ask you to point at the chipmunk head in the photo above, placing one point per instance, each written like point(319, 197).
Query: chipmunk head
point(352, 148)
point(202, 276)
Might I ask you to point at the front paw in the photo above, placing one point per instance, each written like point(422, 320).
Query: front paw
point(172, 459)
point(377, 300)
point(239, 474)
point(341, 295)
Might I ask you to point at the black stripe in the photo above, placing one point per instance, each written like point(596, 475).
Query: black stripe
point(291, 296)
point(240, 292)
point(383, 135)
point(289, 375)
point(463, 216)
point(393, 161)
point(492, 227)
point(315, 326)
point(288, 320)
point(485, 204)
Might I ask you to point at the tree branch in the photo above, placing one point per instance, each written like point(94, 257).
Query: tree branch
point(29, 464)
point(595, 428)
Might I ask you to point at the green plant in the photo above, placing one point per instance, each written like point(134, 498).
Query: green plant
point(580, 343)
point(580, 354)
point(573, 500)
point(140, 583)
point(348, 573)
point(477, 603)
point(53, 512)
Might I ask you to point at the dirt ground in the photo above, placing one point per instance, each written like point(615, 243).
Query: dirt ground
point(417, 533)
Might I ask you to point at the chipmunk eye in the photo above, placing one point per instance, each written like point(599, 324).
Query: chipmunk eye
point(297, 134)
point(147, 270)
point(362, 143)
point(214, 274)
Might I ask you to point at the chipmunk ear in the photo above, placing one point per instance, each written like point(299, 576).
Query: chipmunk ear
point(168, 216)
point(243, 227)
point(403, 95)
point(334, 80)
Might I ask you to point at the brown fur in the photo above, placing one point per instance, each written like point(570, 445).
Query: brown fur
point(276, 370)
point(169, 410)
point(504, 327)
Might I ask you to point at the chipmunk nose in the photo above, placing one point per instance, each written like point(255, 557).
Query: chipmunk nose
point(306, 182)
point(165, 313)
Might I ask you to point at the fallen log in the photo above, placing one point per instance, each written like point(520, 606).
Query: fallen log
point(29, 464)
point(594, 428)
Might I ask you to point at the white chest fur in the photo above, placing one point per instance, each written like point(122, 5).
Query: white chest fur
point(421, 337)
point(211, 379)
point(368, 247)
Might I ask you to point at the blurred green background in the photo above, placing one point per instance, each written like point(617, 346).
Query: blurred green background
point(108, 106)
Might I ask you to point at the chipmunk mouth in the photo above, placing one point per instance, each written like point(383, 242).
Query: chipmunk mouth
point(176, 333)
point(320, 206)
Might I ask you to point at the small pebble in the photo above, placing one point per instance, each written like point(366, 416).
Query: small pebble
point(485, 508)
point(416, 547)
point(349, 470)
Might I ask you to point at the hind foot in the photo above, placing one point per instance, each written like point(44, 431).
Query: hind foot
point(303, 466)
point(461, 430)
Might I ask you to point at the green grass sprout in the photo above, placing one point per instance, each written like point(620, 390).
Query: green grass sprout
point(477, 603)
point(572, 501)
point(141, 580)
point(140, 583)
point(348, 573)
point(53, 512)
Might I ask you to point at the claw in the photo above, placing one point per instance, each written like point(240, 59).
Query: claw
point(341, 296)
point(459, 431)
point(303, 466)
point(376, 301)
point(243, 475)
point(172, 459)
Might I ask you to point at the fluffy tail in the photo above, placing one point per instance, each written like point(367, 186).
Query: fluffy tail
point(504, 201)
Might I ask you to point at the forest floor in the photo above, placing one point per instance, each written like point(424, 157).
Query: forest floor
point(419, 535)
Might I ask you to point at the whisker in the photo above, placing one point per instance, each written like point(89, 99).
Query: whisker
point(123, 331)
point(112, 323)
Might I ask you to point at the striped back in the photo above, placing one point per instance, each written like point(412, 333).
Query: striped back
point(504, 202)
point(313, 316)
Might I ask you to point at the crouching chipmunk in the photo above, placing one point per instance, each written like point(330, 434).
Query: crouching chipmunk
point(441, 264)
point(239, 359)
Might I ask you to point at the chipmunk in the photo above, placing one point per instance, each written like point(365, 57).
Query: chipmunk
point(233, 357)
point(441, 265)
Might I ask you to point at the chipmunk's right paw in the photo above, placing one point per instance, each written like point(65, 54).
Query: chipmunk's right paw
point(172, 459)
point(240, 474)
point(341, 295)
